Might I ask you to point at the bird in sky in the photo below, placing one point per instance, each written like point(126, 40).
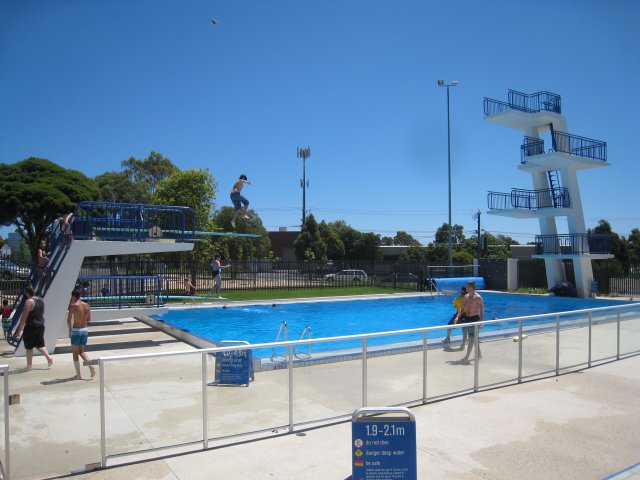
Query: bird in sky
point(214, 21)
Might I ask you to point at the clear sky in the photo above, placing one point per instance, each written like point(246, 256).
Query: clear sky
point(88, 83)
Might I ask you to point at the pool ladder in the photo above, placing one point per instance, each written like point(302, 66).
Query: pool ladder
point(283, 331)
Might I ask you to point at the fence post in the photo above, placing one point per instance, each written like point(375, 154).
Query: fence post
point(618, 335)
point(205, 404)
point(590, 340)
point(520, 351)
point(103, 415)
point(557, 345)
point(364, 372)
point(424, 366)
point(290, 368)
point(476, 367)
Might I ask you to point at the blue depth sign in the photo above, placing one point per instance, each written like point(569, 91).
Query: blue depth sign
point(383, 448)
point(233, 367)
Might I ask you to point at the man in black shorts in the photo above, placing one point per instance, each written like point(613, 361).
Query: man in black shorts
point(472, 311)
point(32, 324)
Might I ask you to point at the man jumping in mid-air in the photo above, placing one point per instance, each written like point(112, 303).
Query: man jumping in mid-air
point(240, 203)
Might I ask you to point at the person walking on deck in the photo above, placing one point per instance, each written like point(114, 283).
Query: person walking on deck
point(78, 320)
point(31, 327)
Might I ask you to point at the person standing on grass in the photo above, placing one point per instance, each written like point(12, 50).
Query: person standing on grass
point(78, 320)
point(31, 327)
point(472, 311)
point(217, 267)
point(240, 203)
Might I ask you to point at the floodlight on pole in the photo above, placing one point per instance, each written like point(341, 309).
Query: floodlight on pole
point(304, 153)
point(453, 83)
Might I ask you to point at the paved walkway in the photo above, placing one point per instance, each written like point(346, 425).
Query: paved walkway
point(583, 425)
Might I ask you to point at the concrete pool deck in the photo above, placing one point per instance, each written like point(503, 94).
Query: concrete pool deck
point(580, 425)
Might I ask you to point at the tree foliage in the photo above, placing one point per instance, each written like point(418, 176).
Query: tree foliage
point(191, 188)
point(35, 191)
point(118, 187)
point(238, 248)
point(149, 171)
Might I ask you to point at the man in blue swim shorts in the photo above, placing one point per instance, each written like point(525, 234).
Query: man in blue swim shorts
point(78, 320)
point(240, 203)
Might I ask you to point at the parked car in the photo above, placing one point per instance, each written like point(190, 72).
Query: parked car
point(347, 276)
point(401, 277)
point(10, 270)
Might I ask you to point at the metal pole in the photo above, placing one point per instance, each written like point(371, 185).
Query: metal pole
point(364, 372)
point(103, 415)
point(449, 170)
point(291, 386)
point(424, 367)
point(205, 404)
point(304, 153)
point(7, 430)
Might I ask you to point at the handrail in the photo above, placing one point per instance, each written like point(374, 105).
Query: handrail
point(127, 221)
point(529, 199)
point(580, 146)
point(574, 243)
point(305, 331)
point(528, 103)
point(282, 329)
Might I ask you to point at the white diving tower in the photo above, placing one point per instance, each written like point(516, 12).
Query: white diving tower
point(556, 192)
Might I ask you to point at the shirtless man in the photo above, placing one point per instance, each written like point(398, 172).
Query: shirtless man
point(472, 311)
point(240, 203)
point(78, 320)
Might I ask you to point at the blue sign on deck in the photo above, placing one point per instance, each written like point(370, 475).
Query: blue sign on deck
point(233, 367)
point(383, 448)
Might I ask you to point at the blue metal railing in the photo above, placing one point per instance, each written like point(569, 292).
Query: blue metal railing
point(529, 103)
point(565, 143)
point(122, 291)
point(580, 146)
point(530, 147)
point(571, 244)
point(529, 199)
point(124, 221)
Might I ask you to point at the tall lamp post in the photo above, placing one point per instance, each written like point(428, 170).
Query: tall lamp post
point(304, 153)
point(452, 84)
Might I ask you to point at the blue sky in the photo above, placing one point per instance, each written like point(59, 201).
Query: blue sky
point(90, 83)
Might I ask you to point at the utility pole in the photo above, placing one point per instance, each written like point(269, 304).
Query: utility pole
point(304, 153)
point(477, 217)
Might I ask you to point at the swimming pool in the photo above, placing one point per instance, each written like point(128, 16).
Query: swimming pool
point(260, 323)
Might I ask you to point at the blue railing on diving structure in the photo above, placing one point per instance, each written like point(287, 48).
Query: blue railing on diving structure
point(529, 199)
point(575, 243)
point(121, 291)
point(529, 103)
point(125, 221)
point(565, 143)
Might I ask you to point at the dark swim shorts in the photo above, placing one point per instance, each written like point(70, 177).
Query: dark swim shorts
point(33, 337)
point(471, 331)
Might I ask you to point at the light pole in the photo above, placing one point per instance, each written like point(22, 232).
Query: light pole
point(304, 153)
point(452, 84)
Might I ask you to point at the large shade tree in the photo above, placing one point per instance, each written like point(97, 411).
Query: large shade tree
point(149, 171)
point(117, 187)
point(35, 191)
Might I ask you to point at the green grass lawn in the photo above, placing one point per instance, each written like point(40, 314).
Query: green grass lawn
point(306, 293)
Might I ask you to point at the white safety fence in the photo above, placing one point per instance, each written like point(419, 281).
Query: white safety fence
point(151, 405)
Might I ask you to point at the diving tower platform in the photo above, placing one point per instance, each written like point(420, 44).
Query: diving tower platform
point(556, 192)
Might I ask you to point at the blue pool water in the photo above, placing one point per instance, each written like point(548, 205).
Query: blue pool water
point(260, 323)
